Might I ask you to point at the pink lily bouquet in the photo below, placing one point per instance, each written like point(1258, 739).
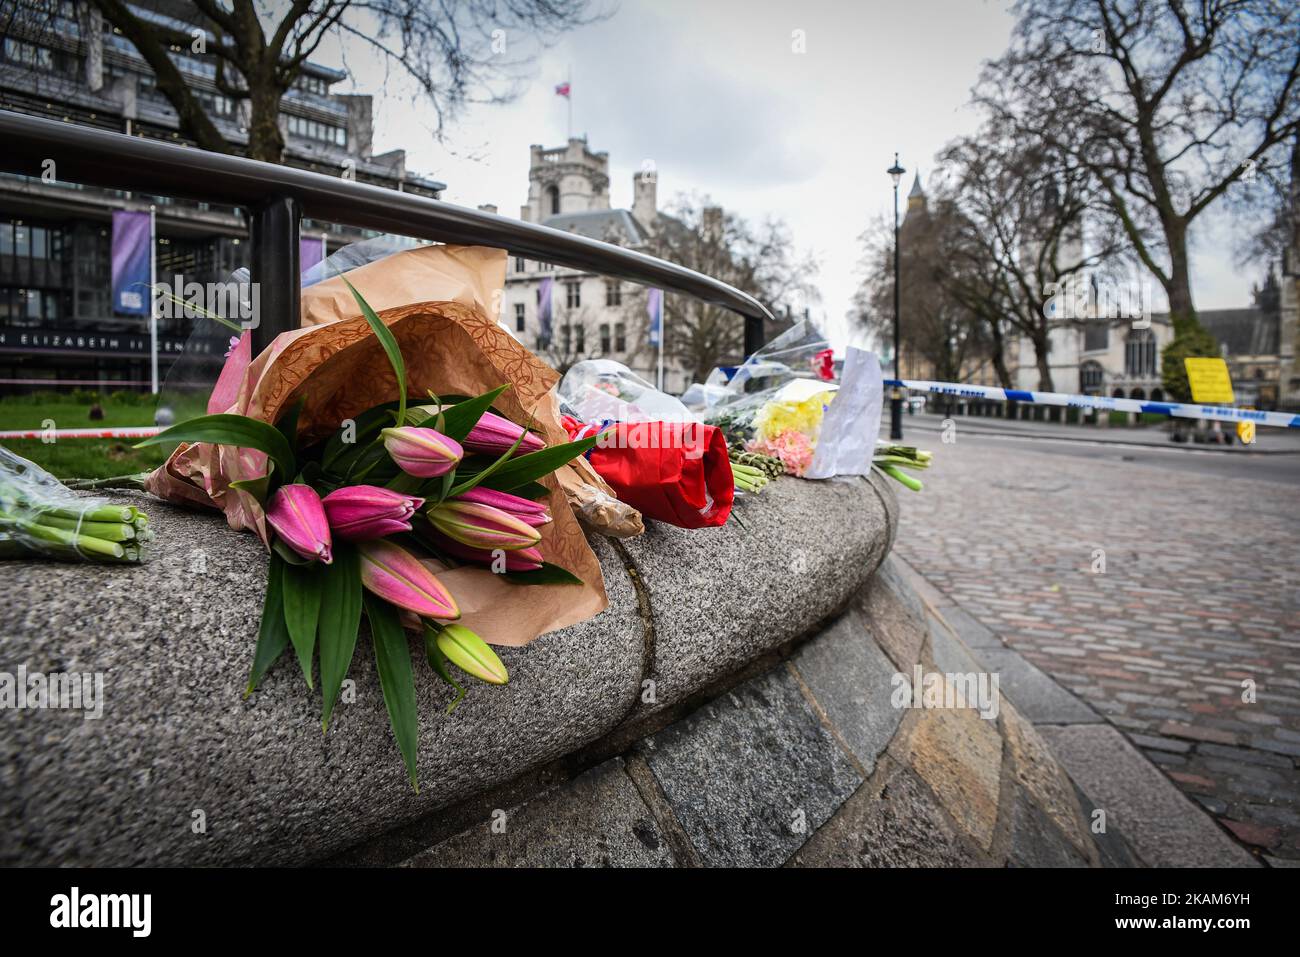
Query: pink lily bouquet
point(363, 522)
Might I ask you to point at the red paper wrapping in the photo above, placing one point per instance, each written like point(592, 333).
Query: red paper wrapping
point(673, 472)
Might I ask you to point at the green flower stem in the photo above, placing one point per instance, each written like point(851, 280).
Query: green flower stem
point(102, 513)
point(106, 531)
point(63, 539)
point(900, 476)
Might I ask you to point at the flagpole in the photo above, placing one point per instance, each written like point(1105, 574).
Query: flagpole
point(569, 99)
point(153, 301)
point(661, 352)
point(657, 320)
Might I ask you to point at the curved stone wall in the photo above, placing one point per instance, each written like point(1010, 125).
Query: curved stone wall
point(808, 762)
point(178, 744)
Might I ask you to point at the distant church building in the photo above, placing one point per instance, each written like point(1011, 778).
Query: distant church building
point(592, 316)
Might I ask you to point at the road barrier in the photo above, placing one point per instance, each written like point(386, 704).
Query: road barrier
point(120, 432)
point(1183, 410)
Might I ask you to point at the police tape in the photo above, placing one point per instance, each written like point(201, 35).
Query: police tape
point(48, 435)
point(1184, 410)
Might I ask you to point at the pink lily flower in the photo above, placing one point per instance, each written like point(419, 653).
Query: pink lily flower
point(527, 511)
point(424, 453)
point(518, 560)
point(360, 513)
point(395, 575)
point(493, 435)
point(296, 514)
point(481, 526)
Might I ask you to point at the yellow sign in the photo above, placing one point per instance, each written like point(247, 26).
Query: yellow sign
point(1210, 381)
point(1246, 432)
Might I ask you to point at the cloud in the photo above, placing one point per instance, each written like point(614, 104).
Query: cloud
point(715, 94)
point(654, 84)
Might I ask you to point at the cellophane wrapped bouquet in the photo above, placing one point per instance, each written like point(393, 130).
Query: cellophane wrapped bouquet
point(41, 518)
point(774, 404)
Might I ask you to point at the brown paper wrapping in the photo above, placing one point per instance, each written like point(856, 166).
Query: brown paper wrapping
point(436, 300)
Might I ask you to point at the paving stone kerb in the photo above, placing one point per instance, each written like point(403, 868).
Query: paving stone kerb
point(181, 769)
point(808, 763)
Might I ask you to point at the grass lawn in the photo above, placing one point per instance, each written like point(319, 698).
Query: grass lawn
point(79, 458)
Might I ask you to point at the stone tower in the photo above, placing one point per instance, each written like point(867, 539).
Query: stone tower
point(916, 197)
point(568, 179)
point(645, 198)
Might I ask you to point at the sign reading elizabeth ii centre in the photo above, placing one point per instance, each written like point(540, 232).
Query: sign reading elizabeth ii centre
point(20, 339)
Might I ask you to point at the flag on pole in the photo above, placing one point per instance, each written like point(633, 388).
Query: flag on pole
point(654, 307)
point(562, 89)
point(130, 263)
point(544, 307)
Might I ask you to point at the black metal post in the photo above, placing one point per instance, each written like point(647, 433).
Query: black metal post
point(277, 197)
point(275, 269)
point(753, 335)
point(896, 396)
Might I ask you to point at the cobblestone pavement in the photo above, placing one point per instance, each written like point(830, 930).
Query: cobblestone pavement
point(1199, 598)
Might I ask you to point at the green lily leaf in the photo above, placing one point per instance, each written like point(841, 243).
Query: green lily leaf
point(391, 348)
point(434, 490)
point(528, 468)
point(273, 635)
point(438, 662)
point(227, 429)
point(459, 419)
point(393, 662)
point(337, 624)
point(529, 490)
point(302, 600)
point(337, 454)
point(287, 554)
point(288, 424)
point(259, 488)
point(548, 574)
point(405, 483)
point(366, 463)
point(474, 480)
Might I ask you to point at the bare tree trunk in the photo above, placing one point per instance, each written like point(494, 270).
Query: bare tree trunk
point(999, 356)
point(265, 140)
point(1040, 359)
point(1182, 311)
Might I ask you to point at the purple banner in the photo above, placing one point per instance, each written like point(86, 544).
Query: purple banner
point(131, 263)
point(310, 252)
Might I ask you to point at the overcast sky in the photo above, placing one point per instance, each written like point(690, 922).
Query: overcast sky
point(716, 96)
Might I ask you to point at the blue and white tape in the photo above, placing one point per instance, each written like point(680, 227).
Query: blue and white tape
point(1185, 410)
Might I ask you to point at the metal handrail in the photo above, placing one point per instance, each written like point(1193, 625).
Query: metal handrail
point(278, 196)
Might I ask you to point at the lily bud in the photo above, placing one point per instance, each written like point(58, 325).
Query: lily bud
point(527, 511)
point(360, 513)
point(471, 654)
point(396, 576)
point(481, 526)
point(424, 453)
point(518, 560)
point(494, 435)
point(296, 515)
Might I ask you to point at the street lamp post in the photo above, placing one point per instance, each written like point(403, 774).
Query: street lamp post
point(896, 396)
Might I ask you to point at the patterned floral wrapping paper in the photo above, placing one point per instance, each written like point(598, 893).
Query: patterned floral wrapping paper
point(436, 300)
